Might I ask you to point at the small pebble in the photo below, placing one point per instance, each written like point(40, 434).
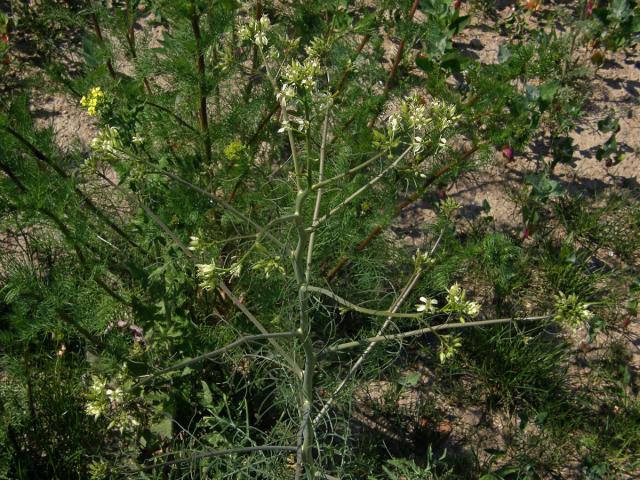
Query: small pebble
point(476, 44)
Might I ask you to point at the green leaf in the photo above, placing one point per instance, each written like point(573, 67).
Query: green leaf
point(504, 53)
point(547, 93)
point(207, 397)
point(608, 124)
point(563, 150)
point(458, 24)
point(426, 64)
point(163, 428)
point(454, 62)
point(410, 379)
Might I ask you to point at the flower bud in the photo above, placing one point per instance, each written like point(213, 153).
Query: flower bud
point(507, 151)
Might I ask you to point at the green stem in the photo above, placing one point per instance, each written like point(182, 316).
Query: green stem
point(422, 331)
point(366, 311)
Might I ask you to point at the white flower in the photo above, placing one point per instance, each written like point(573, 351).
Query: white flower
point(260, 39)
point(207, 272)
point(287, 92)
point(472, 309)
point(244, 33)
point(265, 23)
point(115, 395)
point(417, 144)
point(94, 409)
point(194, 243)
point(457, 302)
point(427, 305)
point(285, 126)
point(571, 311)
point(394, 122)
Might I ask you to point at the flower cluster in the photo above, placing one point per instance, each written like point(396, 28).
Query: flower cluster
point(449, 344)
point(457, 303)
point(93, 100)
point(302, 74)
point(420, 120)
point(107, 143)
point(571, 311)
point(104, 400)
point(269, 266)
point(208, 275)
point(256, 31)
point(297, 75)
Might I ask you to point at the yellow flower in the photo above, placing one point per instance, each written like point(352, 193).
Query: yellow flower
point(92, 101)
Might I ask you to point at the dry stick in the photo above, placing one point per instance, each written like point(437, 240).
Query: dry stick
point(344, 260)
point(214, 353)
point(444, 326)
point(394, 307)
point(347, 71)
point(203, 115)
point(43, 159)
point(221, 285)
point(254, 56)
point(131, 40)
point(218, 453)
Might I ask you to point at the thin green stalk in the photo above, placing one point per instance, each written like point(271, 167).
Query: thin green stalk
point(44, 160)
point(351, 171)
point(366, 311)
point(422, 331)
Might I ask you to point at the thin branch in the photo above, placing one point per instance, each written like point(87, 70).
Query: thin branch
point(394, 66)
point(351, 171)
point(214, 353)
point(444, 326)
point(225, 205)
point(394, 308)
point(362, 189)
point(352, 306)
point(344, 260)
point(202, 91)
point(316, 208)
point(173, 114)
point(285, 119)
